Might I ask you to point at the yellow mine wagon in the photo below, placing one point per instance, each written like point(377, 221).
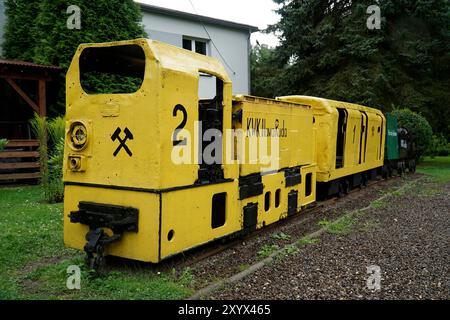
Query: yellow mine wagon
point(350, 143)
point(153, 168)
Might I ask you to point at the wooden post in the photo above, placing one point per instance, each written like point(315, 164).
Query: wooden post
point(42, 98)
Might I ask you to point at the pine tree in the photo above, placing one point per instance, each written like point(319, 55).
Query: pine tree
point(19, 38)
point(265, 70)
point(328, 51)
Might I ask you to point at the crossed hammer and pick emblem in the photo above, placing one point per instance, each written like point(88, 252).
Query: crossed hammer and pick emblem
point(116, 136)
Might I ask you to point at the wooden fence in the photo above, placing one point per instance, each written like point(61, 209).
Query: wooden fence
point(19, 161)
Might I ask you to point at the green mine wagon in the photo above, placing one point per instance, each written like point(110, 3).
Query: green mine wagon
point(391, 138)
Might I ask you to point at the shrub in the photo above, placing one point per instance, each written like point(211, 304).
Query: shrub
point(439, 146)
point(39, 127)
point(418, 126)
point(3, 143)
point(56, 128)
point(51, 159)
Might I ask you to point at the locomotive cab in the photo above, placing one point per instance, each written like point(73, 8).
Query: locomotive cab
point(131, 151)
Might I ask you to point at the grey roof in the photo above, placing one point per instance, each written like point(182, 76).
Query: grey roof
point(196, 18)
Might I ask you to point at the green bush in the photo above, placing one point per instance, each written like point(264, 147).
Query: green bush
point(439, 146)
point(3, 143)
point(39, 128)
point(50, 134)
point(418, 126)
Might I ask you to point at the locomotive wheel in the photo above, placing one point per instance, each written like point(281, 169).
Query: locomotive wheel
point(402, 169)
point(364, 181)
point(412, 166)
point(385, 173)
point(341, 190)
point(346, 187)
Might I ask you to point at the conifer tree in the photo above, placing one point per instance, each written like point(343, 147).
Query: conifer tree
point(327, 50)
point(19, 38)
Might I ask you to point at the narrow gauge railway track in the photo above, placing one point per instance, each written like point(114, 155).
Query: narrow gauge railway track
point(196, 255)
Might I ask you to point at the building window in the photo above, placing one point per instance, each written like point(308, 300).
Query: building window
point(187, 44)
point(200, 47)
point(195, 45)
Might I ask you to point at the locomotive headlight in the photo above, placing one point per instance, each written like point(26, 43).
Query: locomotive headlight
point(78, 136)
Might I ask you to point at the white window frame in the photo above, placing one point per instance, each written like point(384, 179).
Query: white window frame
point(193, 44)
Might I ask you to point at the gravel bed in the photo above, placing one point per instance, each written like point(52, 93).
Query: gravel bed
point(407, 237)
point(234, 260)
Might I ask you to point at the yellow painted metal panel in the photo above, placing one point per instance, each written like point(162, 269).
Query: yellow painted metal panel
point(304, 197)
point(295, 126)
point(142, 245)
point(272, 183)
point(373, 138)
point(188, 213)
point(352, 140)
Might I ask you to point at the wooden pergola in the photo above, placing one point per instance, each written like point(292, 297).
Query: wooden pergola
point(20, 159)
point(12, 70)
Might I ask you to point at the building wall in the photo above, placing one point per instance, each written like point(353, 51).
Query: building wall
point(233, 44)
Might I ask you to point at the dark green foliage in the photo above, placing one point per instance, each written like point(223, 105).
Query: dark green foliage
point(19, 36)
point(265, 71)
point(37, 31)
point(416, 125)
point(50, 134)
point(56, 132)
point(3, 143)
point(327, 50)
point(101, 21)
point(96, 82)
point(439, 147)
point(39, 126)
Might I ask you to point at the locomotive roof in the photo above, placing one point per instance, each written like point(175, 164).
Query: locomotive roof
point(172, 57)
point(249, 98)
point(328, 105)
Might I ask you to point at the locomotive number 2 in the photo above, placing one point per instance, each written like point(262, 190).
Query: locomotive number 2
point(181, 126)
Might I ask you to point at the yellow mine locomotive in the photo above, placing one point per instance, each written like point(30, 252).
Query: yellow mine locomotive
point(156, 167)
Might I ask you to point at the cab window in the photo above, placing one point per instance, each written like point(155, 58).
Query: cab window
point(112, 70)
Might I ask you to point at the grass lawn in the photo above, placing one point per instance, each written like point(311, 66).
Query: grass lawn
point(33, 260)
point(438, 168)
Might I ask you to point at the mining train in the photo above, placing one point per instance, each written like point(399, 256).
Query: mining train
point(139, 183)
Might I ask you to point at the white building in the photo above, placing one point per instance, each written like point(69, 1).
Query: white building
point(227, 41)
